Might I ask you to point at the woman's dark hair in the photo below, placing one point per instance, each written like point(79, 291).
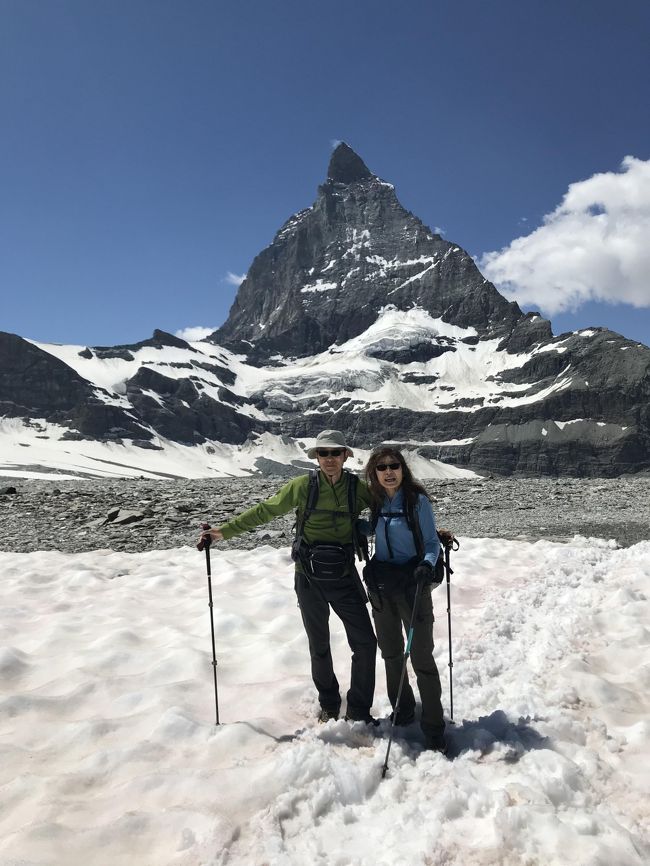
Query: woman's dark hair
point(410, 487)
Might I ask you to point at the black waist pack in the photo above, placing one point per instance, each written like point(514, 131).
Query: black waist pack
point(389, 578)
point(329, 561)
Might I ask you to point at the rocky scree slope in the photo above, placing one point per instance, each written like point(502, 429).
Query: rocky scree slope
point(136, 515)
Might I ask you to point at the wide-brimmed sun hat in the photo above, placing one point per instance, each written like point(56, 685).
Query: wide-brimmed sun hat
point(329, 439)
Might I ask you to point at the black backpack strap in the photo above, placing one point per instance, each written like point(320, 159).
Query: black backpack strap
point(353, 483)
point(358, 538)
point(313, 491)
point(414, 525)
point(298, 547)
point(446, 539)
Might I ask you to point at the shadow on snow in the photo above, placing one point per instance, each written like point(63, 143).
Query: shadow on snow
point(483, 735)
point(487, 732)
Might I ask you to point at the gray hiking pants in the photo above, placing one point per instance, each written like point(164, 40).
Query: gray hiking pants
point(391, 623)
point(344, 598)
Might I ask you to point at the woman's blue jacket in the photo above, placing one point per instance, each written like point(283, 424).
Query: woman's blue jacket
point(393, 529)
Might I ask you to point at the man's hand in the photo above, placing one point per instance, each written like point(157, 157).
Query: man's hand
point(214, 534)
point(208, 535)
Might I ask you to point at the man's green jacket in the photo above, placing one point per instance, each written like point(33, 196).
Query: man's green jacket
point(329, 522)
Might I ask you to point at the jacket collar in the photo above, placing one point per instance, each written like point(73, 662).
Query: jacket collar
point(394, 504)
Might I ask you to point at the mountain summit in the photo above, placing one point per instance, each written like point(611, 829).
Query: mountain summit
point(346, 166)
point(333, 267)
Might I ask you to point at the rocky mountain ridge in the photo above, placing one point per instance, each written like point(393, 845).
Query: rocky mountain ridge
point(356, 316)
point(332, 267)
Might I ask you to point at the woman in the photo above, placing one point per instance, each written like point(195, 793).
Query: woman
point(406, 551)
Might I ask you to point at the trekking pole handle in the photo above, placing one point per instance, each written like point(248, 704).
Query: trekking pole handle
point(206, 540)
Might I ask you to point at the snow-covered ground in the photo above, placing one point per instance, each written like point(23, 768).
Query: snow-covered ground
point(110, 754)
point(37, 451)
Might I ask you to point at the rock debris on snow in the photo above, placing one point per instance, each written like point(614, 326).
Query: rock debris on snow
point(138, 515)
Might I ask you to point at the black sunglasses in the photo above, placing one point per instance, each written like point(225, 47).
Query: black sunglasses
point(333, 452)
point(382, 467)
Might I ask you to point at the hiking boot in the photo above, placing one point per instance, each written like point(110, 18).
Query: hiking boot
point(403, 718)
point(368, 719)
point(327, 715)
point(436, 743)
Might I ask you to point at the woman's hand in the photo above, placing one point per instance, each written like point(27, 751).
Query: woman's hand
point(424, 573)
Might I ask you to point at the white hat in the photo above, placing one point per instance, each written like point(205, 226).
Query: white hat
point(329, 439)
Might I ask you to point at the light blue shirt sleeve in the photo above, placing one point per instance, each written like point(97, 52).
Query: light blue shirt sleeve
point(428, 528)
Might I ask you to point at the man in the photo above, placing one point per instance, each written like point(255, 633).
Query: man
point(326, 576)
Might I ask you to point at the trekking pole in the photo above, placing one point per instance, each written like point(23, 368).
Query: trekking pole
point(407, 651)
point(448, 547)
point(451, 663)
point(204, 544)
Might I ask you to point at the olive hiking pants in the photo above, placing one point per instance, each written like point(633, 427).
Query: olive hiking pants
point(392, 620)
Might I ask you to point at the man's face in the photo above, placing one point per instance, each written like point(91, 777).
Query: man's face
point(331, 462)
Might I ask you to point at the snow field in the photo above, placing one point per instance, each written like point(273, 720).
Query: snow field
point(109, 751)
point(41, 444)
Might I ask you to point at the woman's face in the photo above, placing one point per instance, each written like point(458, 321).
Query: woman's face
point(389, 473)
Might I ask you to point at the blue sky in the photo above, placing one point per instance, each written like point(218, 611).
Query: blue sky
point(150, 148)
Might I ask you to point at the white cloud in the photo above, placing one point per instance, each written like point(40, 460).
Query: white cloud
point(593, 246)
point(197, 333)
point(235, 279)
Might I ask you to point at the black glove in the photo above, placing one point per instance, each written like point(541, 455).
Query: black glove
point(424, 573)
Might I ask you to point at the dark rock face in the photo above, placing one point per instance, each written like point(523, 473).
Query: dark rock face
point(594, 420)
point(97, 420)
point(423, 350)
point(346, 166)
point(332, 267)
point(179, 411)
point(157, 341)
point(33, 382)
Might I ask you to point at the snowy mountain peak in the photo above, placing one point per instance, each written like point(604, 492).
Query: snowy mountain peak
point(357, 317)
point(333, 266)
point(346, 166)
